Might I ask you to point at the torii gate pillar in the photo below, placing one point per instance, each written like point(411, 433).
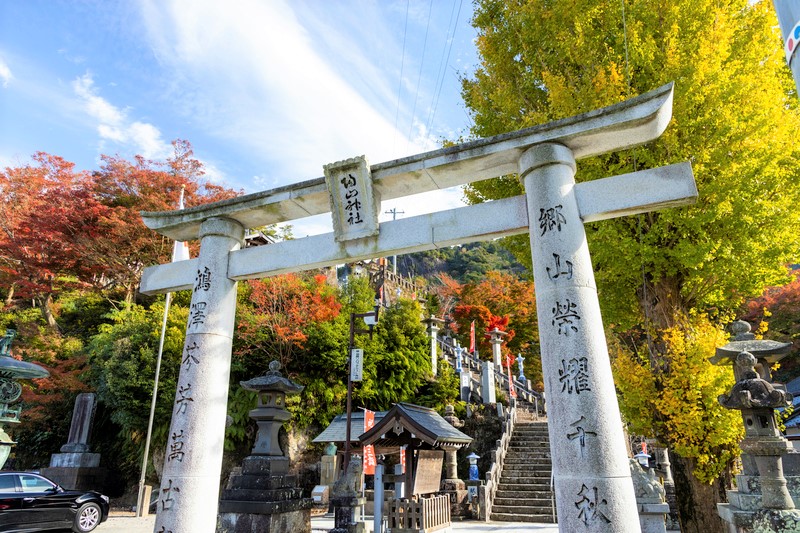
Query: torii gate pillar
point(593, 486)
point(190, 479)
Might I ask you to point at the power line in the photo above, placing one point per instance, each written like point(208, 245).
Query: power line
point(400, 84)
point(419, 78)
point(443, 64)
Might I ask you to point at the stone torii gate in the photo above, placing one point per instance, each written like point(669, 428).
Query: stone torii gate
point(593, 487)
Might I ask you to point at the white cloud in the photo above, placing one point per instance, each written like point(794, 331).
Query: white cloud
point(5, 73)
point(249, 73)
point(129, 136)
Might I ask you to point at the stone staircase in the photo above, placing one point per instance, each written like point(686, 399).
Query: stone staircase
point(523, 494)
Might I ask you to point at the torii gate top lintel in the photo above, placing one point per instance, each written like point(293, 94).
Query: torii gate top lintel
point(619, 126)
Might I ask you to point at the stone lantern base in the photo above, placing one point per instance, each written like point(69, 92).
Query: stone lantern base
point(264, 498)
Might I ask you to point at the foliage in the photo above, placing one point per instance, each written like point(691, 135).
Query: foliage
point(48, 218)
point(123, 359)
point(779, 310)
point(673, 396)
point(282, 307)
point(734, 119)
point(465, 263)
point(127, 188)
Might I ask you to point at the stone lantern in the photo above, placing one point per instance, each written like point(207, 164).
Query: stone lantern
point(270, 412)
point(757, 399)
point(10, 390)
point(264, 497)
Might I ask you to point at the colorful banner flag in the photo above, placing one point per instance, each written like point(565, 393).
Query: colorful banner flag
point(472, 337)
point(369, 451)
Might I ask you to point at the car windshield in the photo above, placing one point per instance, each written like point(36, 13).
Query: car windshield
point(34, 483)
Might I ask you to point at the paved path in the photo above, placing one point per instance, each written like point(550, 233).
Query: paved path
point(131, 524)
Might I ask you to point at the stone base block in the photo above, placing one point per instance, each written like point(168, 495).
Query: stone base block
point(459, 505)
point(72, 460)
point(652, 517)
point(282, 522)
point(777, 521)
point(265, 465)
point(80, 478)
point(735, 516)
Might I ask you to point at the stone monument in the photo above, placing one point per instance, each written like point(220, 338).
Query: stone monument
point(263, 497)
point(651, 499)
point(594, 493)
point(76, 467)
point(771, 508)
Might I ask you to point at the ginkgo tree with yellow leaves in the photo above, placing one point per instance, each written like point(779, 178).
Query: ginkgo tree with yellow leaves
point(667, 280)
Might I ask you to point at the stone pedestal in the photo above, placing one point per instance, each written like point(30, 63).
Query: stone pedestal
point(264, 498)
point(456, 490)
point(347, 517)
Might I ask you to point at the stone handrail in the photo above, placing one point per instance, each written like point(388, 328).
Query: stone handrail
point(487, 492)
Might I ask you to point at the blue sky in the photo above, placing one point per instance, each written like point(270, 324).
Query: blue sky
point(267, 91)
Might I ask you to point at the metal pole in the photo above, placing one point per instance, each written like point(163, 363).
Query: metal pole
point(349, 390)
point(139, 503)
point(377, 520)
point(394, 213)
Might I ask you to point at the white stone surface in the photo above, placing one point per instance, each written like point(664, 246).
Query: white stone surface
point(593, 487)
point(190, 479)
point(623, 125)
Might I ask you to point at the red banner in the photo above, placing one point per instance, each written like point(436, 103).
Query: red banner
point(472, 337)
point(369, 451)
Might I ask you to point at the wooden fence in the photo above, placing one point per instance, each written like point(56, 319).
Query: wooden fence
point(419, 516)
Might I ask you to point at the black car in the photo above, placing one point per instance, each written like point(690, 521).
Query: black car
point(31, 502)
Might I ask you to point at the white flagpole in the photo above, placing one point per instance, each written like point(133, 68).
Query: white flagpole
point(179, 252)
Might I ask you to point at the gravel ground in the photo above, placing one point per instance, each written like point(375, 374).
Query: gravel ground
point(130, 524)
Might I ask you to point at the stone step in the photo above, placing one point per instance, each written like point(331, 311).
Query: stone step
point(524, 460)
point(516, 517)
point(524, 487)
point(507, 509)
point(532, 470)
point(523, 503)
point(508, 495)
point(516, 467)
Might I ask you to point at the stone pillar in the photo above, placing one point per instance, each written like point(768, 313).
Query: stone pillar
point(452, 485)
point(487, 383)
point(496, 340)
point(593, 484)
point(433, 324)
point(190, 479)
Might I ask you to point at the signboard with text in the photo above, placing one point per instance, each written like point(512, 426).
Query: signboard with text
point(356, 364)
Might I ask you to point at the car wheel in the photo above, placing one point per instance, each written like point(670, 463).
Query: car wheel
point(88, 518)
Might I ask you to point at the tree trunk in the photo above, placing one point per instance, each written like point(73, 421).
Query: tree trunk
point(10, 295)
point(47, 312)
point(697, 502)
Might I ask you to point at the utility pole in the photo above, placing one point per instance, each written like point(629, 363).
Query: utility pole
point(394, 212)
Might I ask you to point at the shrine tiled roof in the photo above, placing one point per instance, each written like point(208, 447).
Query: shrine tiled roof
point(407, 421)
point(337, 430)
